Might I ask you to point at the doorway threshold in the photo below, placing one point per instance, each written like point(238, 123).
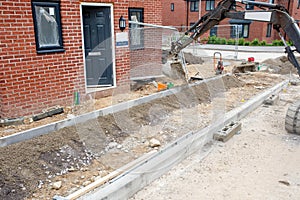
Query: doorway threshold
point(91, 89)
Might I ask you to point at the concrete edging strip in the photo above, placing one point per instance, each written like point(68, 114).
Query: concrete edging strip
point(55, 126)
point(131, 181)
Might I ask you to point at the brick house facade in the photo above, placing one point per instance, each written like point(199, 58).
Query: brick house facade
point(35, 76)
point(187, 12)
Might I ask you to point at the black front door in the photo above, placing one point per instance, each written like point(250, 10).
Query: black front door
point(97, 46)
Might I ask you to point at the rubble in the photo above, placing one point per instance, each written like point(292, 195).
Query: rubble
point(57, 185)
point(154, 143)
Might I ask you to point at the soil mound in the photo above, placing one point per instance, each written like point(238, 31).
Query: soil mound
point(191, 59)
point(280, 65)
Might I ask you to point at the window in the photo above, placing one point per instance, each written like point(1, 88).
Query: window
point(240, 31)
point(250, 7)
point(136, 33)
point(210, 5)
point(194, 6)
point(172, 6)
point(269, 30)
point(191, 25)
point(245, 30)
point(213, 31)
point(298, 4)
point(271, 1)
point(47, 26)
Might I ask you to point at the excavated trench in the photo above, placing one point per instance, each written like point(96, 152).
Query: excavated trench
point(75, 156)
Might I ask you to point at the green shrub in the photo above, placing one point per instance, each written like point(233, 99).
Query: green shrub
point(255, 42)
point(218, 40)
point(290, 43)
point(263, 43)
point(241, 41)
point(247, 43)
point(223, 41)
point(212, 39)
point(231, 41)
point(277, 43)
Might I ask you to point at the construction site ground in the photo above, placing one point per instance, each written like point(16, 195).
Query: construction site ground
point(62, 162)
point(261, 162)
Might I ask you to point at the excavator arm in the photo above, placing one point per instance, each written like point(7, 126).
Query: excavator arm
point(272, 13)
point(204, 24)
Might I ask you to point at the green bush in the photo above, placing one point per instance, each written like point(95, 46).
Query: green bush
point(223, 41)
point(277, 43)
point(263, 43)
point(281, 43)
point(290, 43)
point(212, 39)
point(218, 40)
point(241, 41)
point(247, 43)
point(231, 41)
point(255, 42)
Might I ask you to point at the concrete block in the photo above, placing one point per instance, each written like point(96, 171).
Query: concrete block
point(228, 131)
point(295, 82)
point(271, 100)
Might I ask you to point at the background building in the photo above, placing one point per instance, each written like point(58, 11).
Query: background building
point(184, 13)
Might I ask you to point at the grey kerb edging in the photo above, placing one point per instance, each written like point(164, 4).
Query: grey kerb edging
point(134, 179)
point(55, 126)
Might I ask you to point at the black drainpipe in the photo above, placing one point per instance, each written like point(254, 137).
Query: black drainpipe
point(187, 14)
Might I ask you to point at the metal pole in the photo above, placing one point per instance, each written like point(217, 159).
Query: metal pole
point(236, 42)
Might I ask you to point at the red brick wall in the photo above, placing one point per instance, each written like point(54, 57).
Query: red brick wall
point(31, 82)
point(35, 81)
point(176, 17)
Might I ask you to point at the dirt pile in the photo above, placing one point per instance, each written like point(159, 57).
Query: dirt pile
point(189, 58)
point(280, 65)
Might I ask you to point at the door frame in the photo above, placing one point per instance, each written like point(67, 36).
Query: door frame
point(110, 6)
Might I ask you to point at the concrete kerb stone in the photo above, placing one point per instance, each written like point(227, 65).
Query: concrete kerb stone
point(127, 184)
point(55, 126)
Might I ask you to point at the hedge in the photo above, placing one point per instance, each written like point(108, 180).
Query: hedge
point(242, 42)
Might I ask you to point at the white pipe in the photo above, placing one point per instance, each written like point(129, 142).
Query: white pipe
point(152, 25)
